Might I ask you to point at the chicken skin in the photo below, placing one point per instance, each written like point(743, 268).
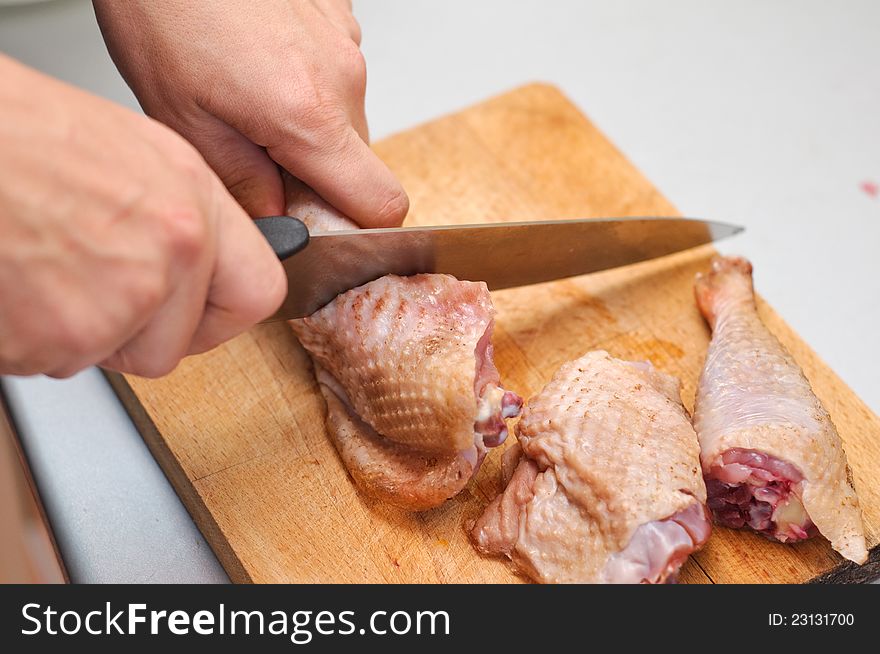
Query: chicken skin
point(772, 459)
point(604, 485)
point(405, 366)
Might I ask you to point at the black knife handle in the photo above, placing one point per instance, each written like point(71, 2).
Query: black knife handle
point(287, 235)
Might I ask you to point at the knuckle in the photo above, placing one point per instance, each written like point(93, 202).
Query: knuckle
point(354, 29)
point(354, 65)
point(183, 225)
point(186, 232)
point(82, 347)
point(148, 291)
point(311, 115)
point(306, 104)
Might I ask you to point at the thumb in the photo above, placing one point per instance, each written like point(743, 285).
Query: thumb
point(348, 175)
point(247, 284)
point(246, 170)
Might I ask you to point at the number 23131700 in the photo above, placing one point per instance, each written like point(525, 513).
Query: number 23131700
point(811, 620)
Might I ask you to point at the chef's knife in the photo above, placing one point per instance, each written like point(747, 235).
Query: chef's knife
point(503, 255)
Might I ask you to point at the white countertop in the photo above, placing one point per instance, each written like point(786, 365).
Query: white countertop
point(762, 113)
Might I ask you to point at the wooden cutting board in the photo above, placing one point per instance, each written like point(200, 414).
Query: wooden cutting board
point(240, 431)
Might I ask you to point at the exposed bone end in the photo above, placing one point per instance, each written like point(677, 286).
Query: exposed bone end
point(729, 279)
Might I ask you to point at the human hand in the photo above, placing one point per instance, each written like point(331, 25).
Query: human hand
point(254, 85)
point(118, 244)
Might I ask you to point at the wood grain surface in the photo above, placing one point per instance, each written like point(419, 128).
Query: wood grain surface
point(240, 431)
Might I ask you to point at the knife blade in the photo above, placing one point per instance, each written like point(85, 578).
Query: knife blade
point(504, 255)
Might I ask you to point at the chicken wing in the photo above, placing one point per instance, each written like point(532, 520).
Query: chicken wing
point(604, 485)
point(771, 456)
point(405, 366)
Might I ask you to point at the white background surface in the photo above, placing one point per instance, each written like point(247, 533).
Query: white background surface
point(761, 112)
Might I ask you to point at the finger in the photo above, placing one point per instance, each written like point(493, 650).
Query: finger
point(164, 341)
point(248, 283)
point(160, 346)
point(82, 337)
point(349, 175)
point(246, 170)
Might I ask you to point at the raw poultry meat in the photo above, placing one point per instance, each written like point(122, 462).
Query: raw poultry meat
point(771, 456)
point(604, 485)
point(405, 366)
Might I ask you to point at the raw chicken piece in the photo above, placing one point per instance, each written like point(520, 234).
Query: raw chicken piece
point(405, 366)
point(771, 456)
point(604, 485)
